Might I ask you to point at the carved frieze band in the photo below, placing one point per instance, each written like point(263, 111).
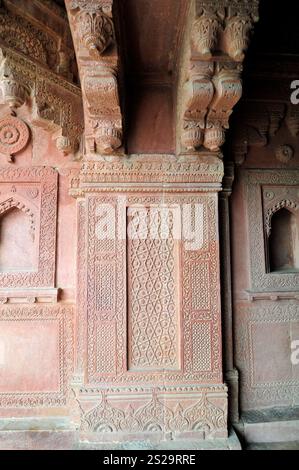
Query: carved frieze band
point(96, 49)
point(205, 413)
point(219, 38)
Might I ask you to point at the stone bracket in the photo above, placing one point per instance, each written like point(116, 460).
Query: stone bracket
point(96, 49)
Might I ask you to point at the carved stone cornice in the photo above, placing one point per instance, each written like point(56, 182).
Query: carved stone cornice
point(148, 173)
point(218, 38)
point(96, 49)
point(54, 103)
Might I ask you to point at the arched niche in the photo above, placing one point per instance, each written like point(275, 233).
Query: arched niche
point(283, 242)
point(18, 249)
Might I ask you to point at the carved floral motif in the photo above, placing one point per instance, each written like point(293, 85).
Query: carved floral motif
point(155, 416)
point(14, 136)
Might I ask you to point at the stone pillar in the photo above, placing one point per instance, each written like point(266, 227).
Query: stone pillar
point(149, 327)
point(231, 373)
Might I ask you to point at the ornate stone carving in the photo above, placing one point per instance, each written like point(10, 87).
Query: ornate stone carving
point(55, 104)
point(35, 39)
point(14, 136)
point(42, 213)
point(223, 26)
point(93, 32)
point(254, 125)
point(154, 295)
point(283, 317)
point(218, 40)
point(109, 314)
point(204, 33)
point(236, 34)
point(276, 207)
point(155, 415)
point(284, 186)
point(15, 92)
point(148, 172)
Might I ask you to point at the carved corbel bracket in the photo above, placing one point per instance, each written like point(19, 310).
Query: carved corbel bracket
point(94, 38)
point(219, 37)
point(254, 126)
point(199, 92)
point(228, 91)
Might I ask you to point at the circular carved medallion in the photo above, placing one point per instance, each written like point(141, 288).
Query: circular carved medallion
point(284, 153)
point(14, 135)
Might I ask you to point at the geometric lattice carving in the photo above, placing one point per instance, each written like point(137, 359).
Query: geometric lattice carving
point(200, 277)
point(152, 284)
point(201, 341)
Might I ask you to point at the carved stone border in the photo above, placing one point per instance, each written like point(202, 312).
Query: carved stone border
point(64, 317)
point(262, 394)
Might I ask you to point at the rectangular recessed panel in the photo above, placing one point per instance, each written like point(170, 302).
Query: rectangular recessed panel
point(153, 264)
point(30, 356)
point(270, 353)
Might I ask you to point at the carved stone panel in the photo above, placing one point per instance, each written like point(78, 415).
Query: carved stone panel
point(144, 320)
point(267, 192)
point(34, 192)
point(263, 353)
point(28, 378)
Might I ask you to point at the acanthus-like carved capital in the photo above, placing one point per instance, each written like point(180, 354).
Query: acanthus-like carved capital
point(237, 35)
point(204, 33)
point(14, 91)
point(93, 26)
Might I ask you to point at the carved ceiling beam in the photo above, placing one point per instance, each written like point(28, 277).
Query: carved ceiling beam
point(211, 80)
point(97, 56)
